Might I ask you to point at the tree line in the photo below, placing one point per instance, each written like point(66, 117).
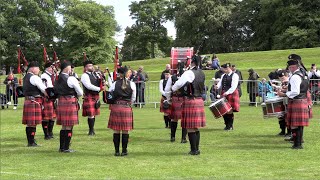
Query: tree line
point(230, 25)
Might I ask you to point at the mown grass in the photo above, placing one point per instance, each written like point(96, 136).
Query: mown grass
point(251, 151)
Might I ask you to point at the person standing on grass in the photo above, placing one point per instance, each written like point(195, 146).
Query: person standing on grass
point(11, 83)
point(68, 91)
point(49, 113)
point(298, 111)
point(193, 115)
point(165, 110)
point(91, 88)
point(32, 108)
point(121, 115)
point(228, 88)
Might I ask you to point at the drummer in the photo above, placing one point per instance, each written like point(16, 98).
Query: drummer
point(228, 88)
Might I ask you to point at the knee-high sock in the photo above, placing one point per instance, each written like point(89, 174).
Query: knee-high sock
point(192, 140)
point(294, 136)
point(166, 120)
point(50, 128)
point(282, 124)
point(197, 140)
point(173, 128)
point(68, 136)
point(28, 133)
point(116, 141)
point(299, 135)
point(184, 133)
point(45, 128)
point(225, 118)
point(124, 141)
point(231, 118)
point(33, 134)
point(62, 139)
point(91, 124)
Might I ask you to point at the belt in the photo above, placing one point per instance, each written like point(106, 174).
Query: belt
point(32, 97)
point(123, 103)
point(186, 97)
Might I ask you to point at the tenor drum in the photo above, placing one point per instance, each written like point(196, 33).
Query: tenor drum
point(220, 107)
point(275, 107)
point(264, 110)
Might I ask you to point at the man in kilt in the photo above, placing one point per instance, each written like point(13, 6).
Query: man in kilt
point(49, 113)
point(91, 102)
point(121, 115)
point(68, 90)
point(228, 85)
point(176, 109)
point(193, 115)
point(298, 110)
point(166, 110)
point(284, 78)
point(32, 108)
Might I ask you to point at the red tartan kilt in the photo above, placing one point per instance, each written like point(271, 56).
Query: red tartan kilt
point(121, 118)
point(176, 107)
point(234, 100)
point(193, 115)
point(32, 112)
point(298, 114)
point(166, 111)
point(309, 98)
point(48, 113)
point(67, 111)
point(88, 108)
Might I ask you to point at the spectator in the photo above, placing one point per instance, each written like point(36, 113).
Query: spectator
point(213, 90)
point(215, 62)
point(143, 84)
point(314, 76)
point(11, 83)
point(138, 79)
point(264, 89)
point(252, 86)
point(235, 70)
point(168, 67)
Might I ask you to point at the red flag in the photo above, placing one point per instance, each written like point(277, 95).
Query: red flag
point(45, 55)
point(116, 62)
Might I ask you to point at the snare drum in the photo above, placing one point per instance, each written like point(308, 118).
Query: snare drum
point(275, 107)
point(220, 107)
point(264, 110)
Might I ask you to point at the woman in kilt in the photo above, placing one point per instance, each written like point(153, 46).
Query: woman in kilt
point(49, 113)
point(68, 90)
point(166, 111)
point(32, 108)
point(193, 115)
point(298, 110)
point(121, 116)
point(228, 85)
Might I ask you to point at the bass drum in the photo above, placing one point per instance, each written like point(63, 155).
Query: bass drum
point(179, 58)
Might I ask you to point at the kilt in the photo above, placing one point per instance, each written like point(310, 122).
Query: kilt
point(48, 113)
point(32, 112)
point(67, 111)
point(166, 111)
point(193, 115)
point(121, 117)
point(234, 100)
point(310, 103)
point(176, 107)
point(297, 114)
point(88, 108)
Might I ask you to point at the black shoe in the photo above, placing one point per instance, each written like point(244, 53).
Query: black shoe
point(47, 138)
point(33, 145)
point(228, 129)
point(289, 138)
point(225, 128)
point(124, 153)
point(173, 139)
point(69, 151)
point(194, 153)
point(91, 133)
point(117, 154)
point(296, 147)
point(184, 141)
point(282, 133)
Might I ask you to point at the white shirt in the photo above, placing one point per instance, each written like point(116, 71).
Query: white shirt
point(36, 81)
point(295, 81)
point(163, 90)
point(187, 76)
point(317, 73)
point(133, 87)
point(47, 77)
point(234, 83)
point(85, 80)
point(74, 83)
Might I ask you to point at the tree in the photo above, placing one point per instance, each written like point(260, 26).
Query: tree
point(88, 27)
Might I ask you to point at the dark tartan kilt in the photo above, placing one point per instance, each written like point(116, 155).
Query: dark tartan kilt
point(298, 114)
point(176, 107)
point(121, 117)
point(48, 113)
point(166, 111)
point(32, 112)
point(193, 115)
point(88, 108)
point(234, 100)
point(67, 111)
point(310, 103)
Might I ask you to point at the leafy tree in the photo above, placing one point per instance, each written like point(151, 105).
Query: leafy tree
point(88, 27)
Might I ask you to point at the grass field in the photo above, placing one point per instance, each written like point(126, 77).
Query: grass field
point(251, 151)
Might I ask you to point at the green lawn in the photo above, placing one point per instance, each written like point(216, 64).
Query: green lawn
point(251, 151)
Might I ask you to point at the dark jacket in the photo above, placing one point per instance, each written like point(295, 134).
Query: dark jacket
point(252, 86)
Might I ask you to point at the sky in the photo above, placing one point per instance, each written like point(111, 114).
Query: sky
point(122, 15)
